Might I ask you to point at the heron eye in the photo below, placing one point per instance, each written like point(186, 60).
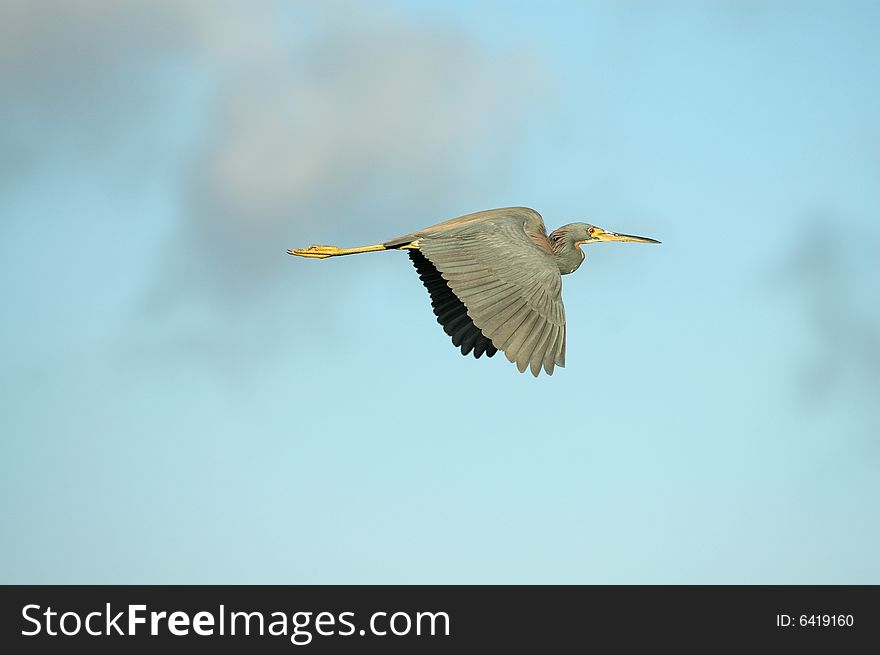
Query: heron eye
point(592, 230)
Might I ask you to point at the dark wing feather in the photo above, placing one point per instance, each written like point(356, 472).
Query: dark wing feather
point(510, 288)
point(451, 312)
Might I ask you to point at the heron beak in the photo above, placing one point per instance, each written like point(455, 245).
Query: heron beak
point(605, 235)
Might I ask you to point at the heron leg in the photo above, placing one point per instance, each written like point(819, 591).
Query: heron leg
point(322, 252)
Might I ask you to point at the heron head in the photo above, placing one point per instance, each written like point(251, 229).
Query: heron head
point(586, 233)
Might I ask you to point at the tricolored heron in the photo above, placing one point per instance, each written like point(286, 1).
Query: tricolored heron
point(495, 279)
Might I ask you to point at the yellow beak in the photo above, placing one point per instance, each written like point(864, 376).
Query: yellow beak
point(604, 235)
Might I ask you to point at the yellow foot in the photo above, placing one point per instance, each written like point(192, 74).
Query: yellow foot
point(316, 252)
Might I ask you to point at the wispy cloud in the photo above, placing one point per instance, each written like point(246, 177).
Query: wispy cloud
point(833, 270)
point(318, 112)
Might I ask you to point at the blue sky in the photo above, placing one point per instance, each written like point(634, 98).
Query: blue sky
point(183, 403)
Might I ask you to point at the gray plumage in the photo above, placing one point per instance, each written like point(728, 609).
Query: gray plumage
point(511, 287)
point(495, 280)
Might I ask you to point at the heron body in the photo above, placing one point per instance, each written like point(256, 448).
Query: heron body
point(495, 280)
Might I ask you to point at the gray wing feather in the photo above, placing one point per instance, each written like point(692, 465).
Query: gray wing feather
point(511, 288)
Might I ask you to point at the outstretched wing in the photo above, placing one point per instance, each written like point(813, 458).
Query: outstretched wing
point(510, 286)
point(450, 311)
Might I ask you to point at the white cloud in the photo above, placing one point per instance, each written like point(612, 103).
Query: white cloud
point(320, 110)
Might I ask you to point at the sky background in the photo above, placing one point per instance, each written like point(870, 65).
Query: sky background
point(181, 402)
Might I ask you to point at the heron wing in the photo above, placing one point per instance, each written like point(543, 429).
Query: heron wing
point(485, 216)
point(510, 286)
point(450, 311)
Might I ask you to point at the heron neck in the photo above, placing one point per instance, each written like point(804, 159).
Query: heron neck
point(567, 254)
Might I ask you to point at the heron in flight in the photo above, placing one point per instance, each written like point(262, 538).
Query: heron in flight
point(495, 280)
